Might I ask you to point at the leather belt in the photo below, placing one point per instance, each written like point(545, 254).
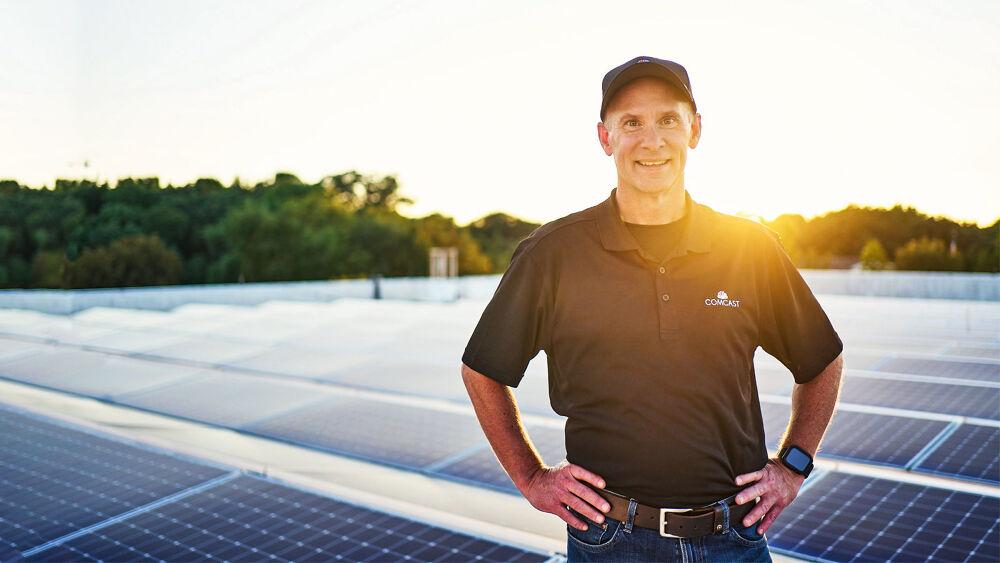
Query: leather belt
point(677, 522)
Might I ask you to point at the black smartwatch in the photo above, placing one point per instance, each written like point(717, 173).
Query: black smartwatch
point(796, 459)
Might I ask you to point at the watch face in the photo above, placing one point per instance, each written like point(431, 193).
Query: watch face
point(797, 459)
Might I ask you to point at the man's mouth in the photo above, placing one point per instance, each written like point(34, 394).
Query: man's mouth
point(651, 163)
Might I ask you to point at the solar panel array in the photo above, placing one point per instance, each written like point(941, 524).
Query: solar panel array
point(71, 495)
point(920, 394)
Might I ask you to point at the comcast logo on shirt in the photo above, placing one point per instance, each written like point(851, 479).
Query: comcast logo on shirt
point(722, 299)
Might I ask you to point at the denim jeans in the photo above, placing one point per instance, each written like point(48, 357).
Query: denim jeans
point(621, 541)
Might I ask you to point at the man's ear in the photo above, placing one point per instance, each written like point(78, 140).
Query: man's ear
point(695, 131)
point(602, 136)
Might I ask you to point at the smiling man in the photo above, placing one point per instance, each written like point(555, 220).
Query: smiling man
point(650, 307)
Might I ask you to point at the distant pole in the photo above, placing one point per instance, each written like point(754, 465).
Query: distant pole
point(377, 289)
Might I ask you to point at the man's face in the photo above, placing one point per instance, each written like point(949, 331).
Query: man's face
point(648, 128)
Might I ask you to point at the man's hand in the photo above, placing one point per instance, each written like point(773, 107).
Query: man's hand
point(776, 485)
point(550, 489)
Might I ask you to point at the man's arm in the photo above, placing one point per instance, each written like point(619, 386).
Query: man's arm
point(548, 489)
point(813, 404)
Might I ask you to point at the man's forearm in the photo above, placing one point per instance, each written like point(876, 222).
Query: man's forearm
point(497, 411)
point(812, 407)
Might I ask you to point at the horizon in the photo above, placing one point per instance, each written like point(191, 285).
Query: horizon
point(471, 121)
point(401, 207)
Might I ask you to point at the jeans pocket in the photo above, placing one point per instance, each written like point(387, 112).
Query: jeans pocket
point(596, 536)
point(748, 535)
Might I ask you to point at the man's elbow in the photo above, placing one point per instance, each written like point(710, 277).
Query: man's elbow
point(473, 378)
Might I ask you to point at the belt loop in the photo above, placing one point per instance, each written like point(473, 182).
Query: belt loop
point(632, 505)
point(721, 512)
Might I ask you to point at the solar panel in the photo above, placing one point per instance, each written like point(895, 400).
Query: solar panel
point(873, 438)
point(398, 434)
point(406, 374)
point(226, 400)
point(300, 362)
point(482, 466)
point(92, 373)
point(963, 400)
point(943, 368)
point(983, 351)
point(971, 451)
point(55, 480)
point(854, 518)
point(11, 349)
point(206, 350)
point(133, 340)
point(249, 518)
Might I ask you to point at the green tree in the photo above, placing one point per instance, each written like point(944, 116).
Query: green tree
point(873, 256)
point(498, 235)
point(138, 260)
point(927, 255)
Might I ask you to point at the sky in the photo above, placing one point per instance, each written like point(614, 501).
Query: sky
point(479, 106)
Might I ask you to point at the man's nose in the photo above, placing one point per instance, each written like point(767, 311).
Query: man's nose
point(653, 138)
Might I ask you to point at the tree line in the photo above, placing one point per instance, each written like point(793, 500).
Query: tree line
point(899, 238)
point(83, 234)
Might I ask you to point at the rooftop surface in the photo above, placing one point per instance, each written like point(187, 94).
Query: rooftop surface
point(356, 406)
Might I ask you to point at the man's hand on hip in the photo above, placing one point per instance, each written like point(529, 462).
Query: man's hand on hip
point(551, 489)
point(776, 485)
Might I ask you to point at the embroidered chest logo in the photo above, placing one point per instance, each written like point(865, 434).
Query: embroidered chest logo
point(722, 299)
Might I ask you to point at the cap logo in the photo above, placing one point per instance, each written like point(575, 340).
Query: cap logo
point(642, 61)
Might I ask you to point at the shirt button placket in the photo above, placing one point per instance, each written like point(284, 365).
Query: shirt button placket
point(664, 312)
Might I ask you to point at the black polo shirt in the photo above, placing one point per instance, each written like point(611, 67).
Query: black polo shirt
point(652, 361)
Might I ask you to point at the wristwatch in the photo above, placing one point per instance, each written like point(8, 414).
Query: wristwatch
point(796, 459)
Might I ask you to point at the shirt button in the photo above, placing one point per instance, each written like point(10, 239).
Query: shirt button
point(665, 297)
point(662, 269)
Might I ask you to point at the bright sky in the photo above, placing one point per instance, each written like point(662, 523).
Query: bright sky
point(483, 106)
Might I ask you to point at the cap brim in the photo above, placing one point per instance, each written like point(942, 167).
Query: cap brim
point(640, 71)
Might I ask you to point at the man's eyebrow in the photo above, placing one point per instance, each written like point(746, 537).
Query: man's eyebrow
point(671, 113)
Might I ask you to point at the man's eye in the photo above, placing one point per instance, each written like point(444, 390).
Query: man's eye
point(632, 123)
point(670, 121)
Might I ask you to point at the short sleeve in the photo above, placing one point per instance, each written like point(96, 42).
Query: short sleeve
point(512, 328)
point(792, 325)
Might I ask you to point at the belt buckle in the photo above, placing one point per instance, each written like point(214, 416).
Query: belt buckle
point(663, 520)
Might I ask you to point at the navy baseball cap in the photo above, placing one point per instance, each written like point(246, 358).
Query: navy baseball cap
point(645, 66)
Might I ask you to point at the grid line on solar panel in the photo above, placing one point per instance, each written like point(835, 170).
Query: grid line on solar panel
point(277, 522)
point(971, 451)
point(962, 400)
point(851, 517)
point(56, 480)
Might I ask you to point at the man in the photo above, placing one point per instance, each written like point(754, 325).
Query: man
point(650, 307)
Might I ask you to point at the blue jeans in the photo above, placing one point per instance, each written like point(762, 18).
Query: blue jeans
point(621, 541)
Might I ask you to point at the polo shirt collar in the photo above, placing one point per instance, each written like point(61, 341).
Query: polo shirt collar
point(615, 235)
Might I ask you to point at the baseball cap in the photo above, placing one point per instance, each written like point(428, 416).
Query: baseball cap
point(645, 66)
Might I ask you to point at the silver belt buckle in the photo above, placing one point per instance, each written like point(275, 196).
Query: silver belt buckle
point(663, 520)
